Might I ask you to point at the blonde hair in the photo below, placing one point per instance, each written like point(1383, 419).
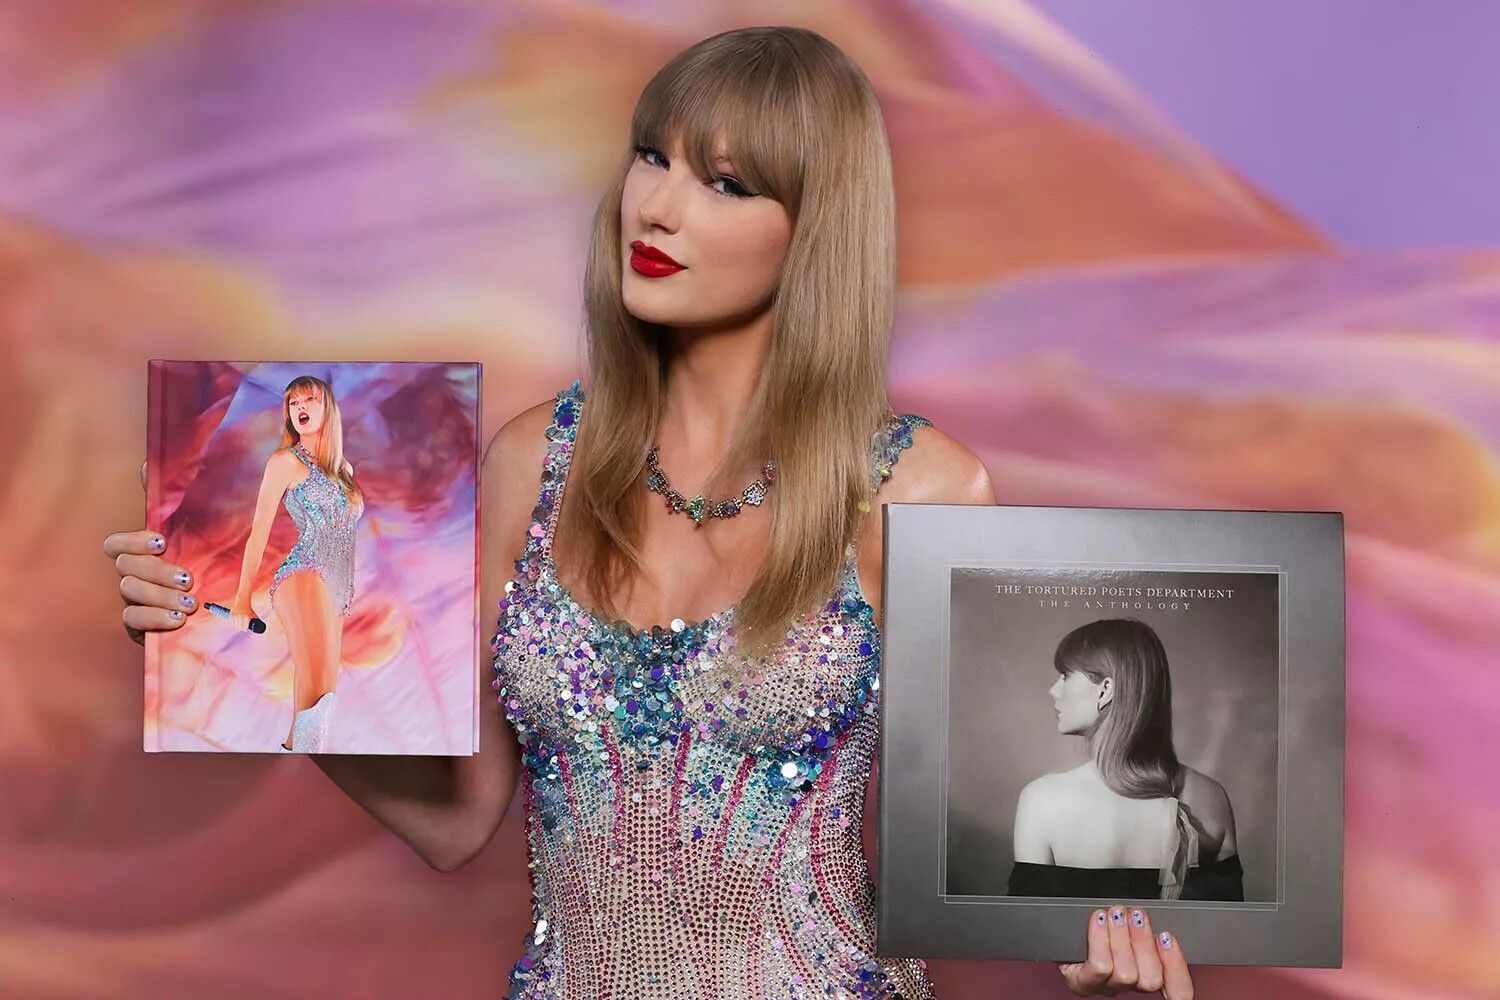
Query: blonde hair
point(1132, 738)
point(330, 451)
point(803, 126)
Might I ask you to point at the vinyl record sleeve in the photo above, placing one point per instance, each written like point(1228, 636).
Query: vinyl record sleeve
point(1089, 706)
point(368, 583)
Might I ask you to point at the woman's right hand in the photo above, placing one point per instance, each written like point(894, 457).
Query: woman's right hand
point(155, 592)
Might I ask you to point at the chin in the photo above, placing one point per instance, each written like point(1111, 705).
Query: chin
point(653, 316)
point(666, 317)
point(647, 312)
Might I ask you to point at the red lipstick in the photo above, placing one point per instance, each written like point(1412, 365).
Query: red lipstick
point(651, 262)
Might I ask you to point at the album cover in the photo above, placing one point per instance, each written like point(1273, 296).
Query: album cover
point(1087, 706)
point(328, 513)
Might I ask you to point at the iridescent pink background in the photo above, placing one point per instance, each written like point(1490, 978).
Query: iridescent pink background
point(1103, 310)
point(406, 681)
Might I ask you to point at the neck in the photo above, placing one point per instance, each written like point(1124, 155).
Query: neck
point(1090, 768)
point(710, 377)
point(310, 442)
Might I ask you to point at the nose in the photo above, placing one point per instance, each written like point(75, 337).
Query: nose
point(661, 208)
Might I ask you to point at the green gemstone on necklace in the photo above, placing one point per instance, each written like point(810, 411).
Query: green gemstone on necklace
point(695, 508)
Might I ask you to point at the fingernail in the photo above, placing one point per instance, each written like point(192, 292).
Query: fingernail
point(1099, 918)
point(174, 615)
point(1138, 918)
point(182, 578)
point(1117, 916)
point(1165, 939)
point(187, 600)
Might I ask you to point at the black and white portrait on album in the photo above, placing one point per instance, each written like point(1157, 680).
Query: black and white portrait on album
point(1112, 733)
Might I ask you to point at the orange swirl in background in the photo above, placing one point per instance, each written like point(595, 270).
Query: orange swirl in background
point(1105, 313)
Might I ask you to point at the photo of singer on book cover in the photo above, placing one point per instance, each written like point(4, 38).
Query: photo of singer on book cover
point(328, 515)
point(1113, 734)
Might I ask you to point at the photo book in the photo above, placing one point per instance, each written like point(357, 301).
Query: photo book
point(328, 516)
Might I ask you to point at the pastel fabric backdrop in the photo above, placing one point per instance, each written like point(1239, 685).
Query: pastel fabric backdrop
point(1102, 310)
point(406, 679)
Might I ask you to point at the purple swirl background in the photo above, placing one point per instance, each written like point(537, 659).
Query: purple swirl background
point(1104, 310)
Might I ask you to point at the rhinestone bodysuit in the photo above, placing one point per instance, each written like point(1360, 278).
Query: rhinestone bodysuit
point(325, 523)
point(693, 821)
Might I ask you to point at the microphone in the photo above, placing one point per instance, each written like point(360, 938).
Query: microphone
point(256, 625)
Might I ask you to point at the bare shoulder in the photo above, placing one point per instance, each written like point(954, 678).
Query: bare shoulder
point(510, 482)
point(1207, 799)
point(938, 468)
point(934, 468)
point(1035, 821)
point(1045, 792)
point(282, 464)
point(521, 438)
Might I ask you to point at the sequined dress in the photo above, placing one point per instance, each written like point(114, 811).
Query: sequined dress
point(326, 524)
point(692, 833)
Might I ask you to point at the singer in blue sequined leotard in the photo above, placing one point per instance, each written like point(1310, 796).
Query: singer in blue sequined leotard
point(326, 523)
point(313, 588)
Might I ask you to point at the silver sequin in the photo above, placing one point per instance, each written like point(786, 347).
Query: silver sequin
point(692, 820)
point(325, 523)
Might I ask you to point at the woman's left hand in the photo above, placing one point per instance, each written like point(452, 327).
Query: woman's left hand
point(1126, 957)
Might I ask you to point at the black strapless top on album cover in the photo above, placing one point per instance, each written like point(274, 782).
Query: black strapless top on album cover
point(1221, 880)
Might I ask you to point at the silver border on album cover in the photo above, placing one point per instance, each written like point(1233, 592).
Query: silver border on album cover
point(926, 543)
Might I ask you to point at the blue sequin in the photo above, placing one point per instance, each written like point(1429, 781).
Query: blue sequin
point(687, 811)
point(325, 533)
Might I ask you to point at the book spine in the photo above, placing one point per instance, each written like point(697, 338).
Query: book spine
point(479, 612)
point(155, 385)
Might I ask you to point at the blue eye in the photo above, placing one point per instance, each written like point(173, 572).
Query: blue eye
point(738, 190)
point(733, 187)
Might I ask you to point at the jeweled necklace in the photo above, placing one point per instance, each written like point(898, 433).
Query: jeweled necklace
point(698, 507)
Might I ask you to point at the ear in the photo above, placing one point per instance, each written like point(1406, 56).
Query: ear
point(1106, 692)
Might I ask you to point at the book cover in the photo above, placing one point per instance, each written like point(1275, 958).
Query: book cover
point(328, 514)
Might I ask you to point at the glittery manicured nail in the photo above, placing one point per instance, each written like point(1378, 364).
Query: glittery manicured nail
point(158, 543)
point(1117, 917)
point(174, 615)
point(182, 578)
point(1138, 918)
point(187, 600)
point(1099, 918)
point(1165, 939)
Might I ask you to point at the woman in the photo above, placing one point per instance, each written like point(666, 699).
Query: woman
point(312, 588)
point(1131, 822)
point(688, 646)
